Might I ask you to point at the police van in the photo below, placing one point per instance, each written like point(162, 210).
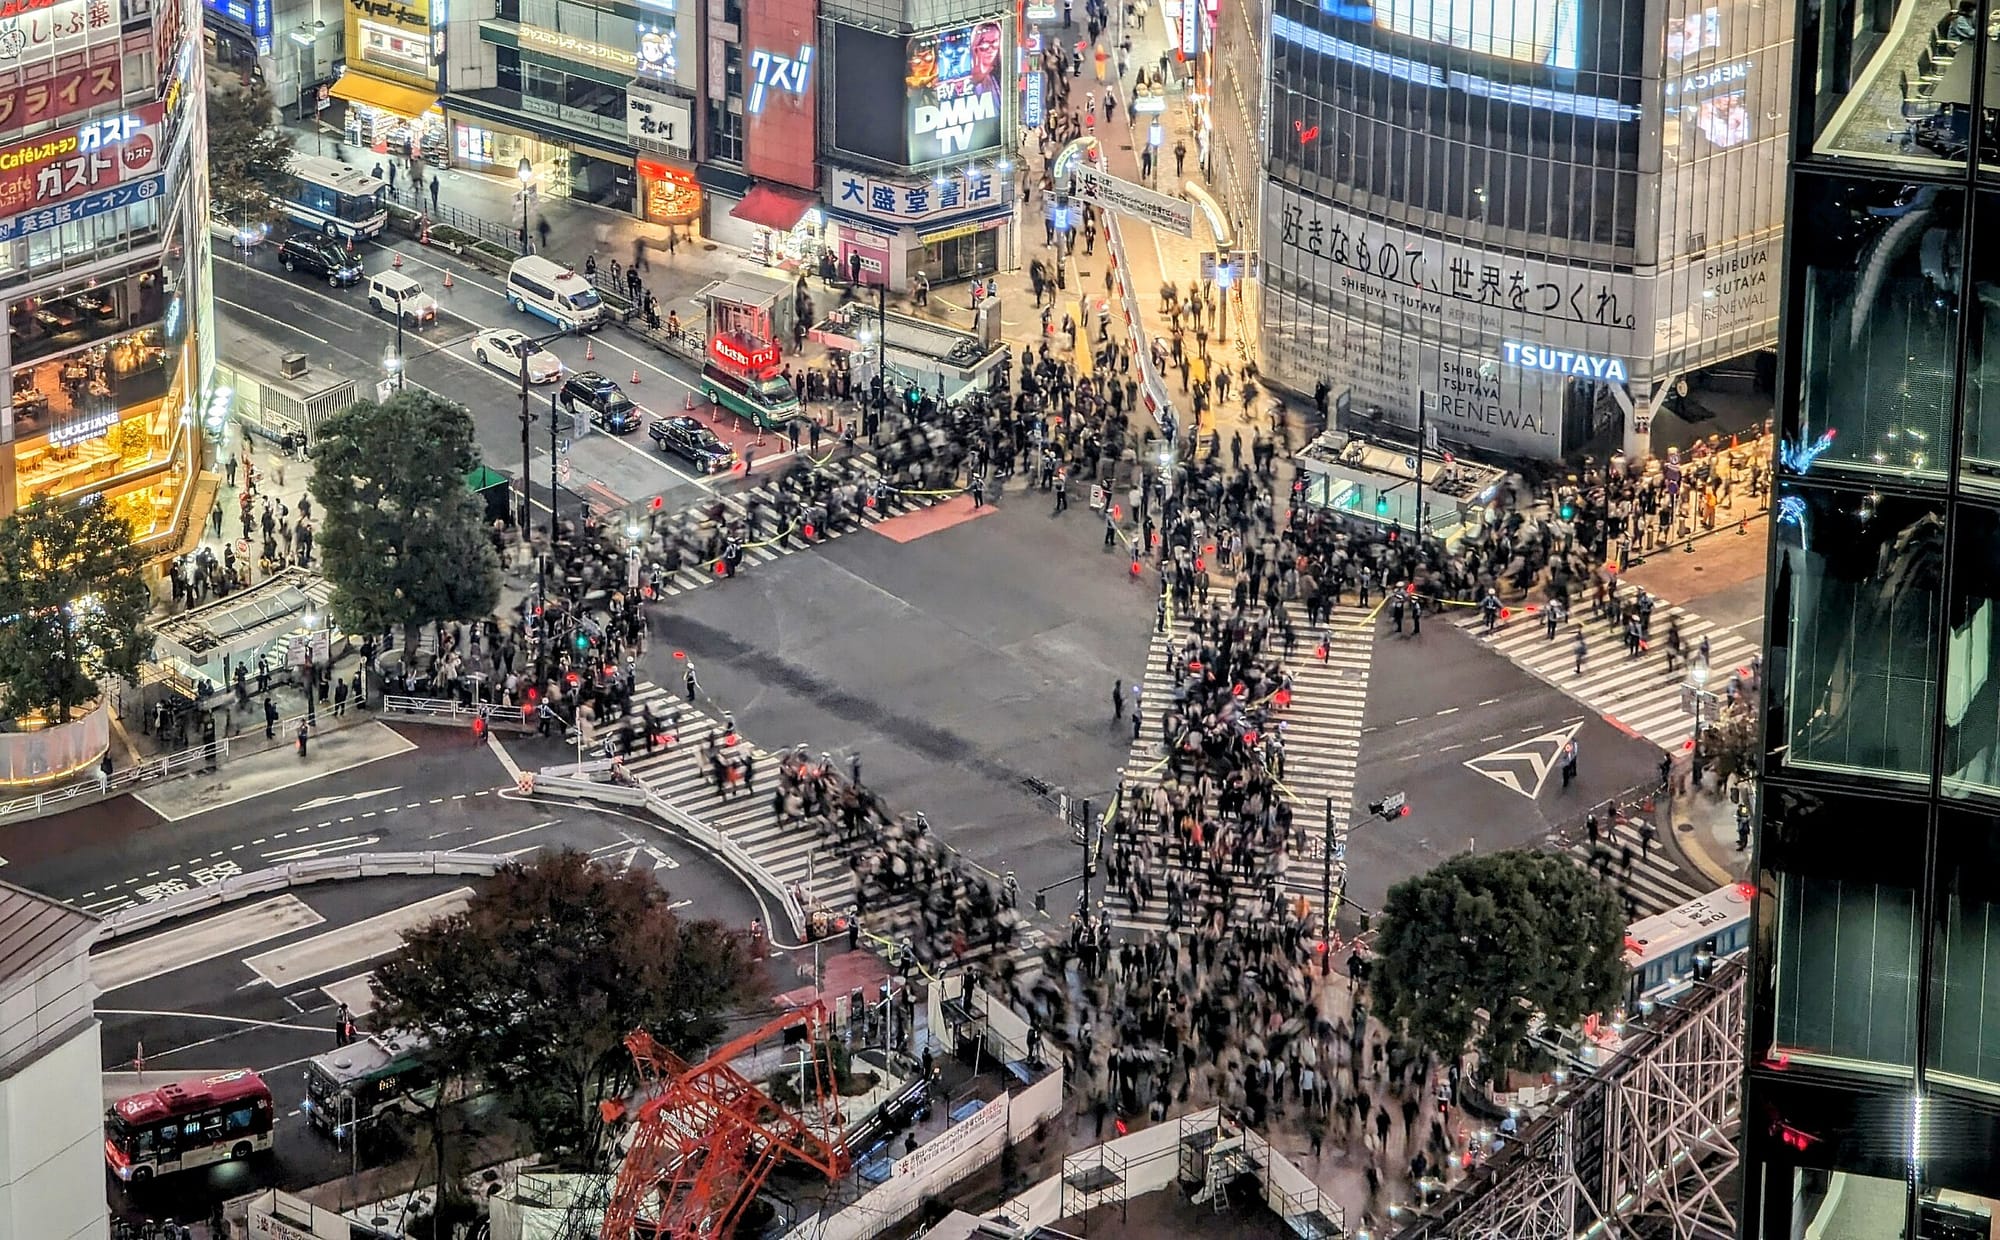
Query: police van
point(556, 293)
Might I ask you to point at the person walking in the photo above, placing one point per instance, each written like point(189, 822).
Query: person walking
point(302, 738)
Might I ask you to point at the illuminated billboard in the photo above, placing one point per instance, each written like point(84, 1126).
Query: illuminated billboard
point(948, 88)
point(1535, 32)
point(1698, 32)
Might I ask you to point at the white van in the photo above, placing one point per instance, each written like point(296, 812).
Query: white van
point(556, 293)
point(395, 294)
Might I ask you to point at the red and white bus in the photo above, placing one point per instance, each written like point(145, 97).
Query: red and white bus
point(187, 1124)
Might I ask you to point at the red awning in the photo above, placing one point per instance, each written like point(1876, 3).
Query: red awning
point(771, 207)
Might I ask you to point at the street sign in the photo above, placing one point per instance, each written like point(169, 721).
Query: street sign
point(1207, 266)
point(562, 470)
point(1116, 194)
point(1431, 436)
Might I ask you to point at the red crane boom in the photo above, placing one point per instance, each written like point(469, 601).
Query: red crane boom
point(707, 1138)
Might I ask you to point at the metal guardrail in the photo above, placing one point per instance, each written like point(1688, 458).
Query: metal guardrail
point(151, 771)
point(451, 712)
point(297, 874)
point(634, 792)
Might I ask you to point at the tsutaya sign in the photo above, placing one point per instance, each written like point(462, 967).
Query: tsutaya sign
point(1564, 362)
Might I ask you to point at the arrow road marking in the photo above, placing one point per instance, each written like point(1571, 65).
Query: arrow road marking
point(322, 802)
point(1537, 756)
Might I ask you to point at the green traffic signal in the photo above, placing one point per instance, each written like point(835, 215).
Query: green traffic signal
point(1381, 503)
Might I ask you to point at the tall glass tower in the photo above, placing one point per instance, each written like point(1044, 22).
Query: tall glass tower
point(1873, 1099)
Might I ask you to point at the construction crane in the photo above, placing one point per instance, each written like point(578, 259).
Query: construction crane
point(706, 1138)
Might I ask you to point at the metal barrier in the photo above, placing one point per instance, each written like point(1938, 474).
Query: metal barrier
point(151, 771)
point(297, 874)
point(451, 712)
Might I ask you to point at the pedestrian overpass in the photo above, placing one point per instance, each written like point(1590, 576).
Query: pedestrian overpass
point(1645, 1148)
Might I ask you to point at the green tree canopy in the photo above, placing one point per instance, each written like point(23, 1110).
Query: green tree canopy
point(534, 987)
point(247, 150)
point(76, 602)
point(404, 538)
point(1483, 930)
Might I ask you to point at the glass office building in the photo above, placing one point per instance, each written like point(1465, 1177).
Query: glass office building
point(1531, 216)
point(1873, 1099)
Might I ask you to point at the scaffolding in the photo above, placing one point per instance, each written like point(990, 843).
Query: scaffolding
point(1642, 1149)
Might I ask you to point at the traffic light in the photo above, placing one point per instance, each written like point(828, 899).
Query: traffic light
point(1381, 503)
point(1568, 509)
point(582, 642)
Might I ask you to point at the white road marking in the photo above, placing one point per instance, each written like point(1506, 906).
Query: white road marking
point(323, 802)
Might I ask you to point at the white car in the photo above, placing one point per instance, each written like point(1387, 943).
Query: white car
point(502, 348)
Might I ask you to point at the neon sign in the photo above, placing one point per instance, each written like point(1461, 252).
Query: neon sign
point(1792, 511)
point(1563, 362)
point(1799, 458)
point(752, 357)
point(791, 74)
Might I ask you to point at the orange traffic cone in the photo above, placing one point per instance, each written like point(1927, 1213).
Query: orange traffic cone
point(447, 277)
point(687, 404)
point(590, 350)
point(398, 263)
point(635, 376)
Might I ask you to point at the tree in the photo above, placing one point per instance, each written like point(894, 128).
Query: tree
point(76, 602)
point(1732, 742)
point(1482, 931)
point(404, 538)
point(534, 987)
point(247, 151)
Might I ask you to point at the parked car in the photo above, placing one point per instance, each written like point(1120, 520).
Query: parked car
point(603, 400)
point(320, 256)
point(502, 348)
point(692, 442)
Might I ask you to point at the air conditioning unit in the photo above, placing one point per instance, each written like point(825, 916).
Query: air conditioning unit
point(292, 365)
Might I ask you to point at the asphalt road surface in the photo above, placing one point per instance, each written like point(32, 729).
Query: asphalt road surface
point(1472, 739)
point(957, 665)
point(339, 334)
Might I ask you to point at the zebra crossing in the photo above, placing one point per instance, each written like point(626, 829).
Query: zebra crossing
point(1322, 746)
point(1654, 884)
point(796, 854)
point(1637, 695)
point(862, 466)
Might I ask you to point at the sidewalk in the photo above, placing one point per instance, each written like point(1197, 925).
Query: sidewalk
point(1704, 832)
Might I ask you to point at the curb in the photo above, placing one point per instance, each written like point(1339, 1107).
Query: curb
point(298, 874)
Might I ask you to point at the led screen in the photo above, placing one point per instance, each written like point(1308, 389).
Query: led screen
point(1694, 34)
point(1536, 32)
point(1724, 119)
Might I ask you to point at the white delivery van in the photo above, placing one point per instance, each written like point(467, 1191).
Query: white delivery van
point(554, 292)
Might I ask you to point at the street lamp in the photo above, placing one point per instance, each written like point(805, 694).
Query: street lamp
point(526, 171)
point(392, 361)
point(1698, 678)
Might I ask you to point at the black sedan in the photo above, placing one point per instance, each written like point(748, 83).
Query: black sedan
point(602, 400)
point(692, 442)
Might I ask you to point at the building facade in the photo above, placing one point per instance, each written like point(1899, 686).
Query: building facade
point(1595, 183)
point(104, 260)
point(919, 129)
point(51, 1085)
point(1873, 1097)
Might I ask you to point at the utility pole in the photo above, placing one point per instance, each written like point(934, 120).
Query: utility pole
point(881, 344)
point(1326, 888)
point(1421, 431)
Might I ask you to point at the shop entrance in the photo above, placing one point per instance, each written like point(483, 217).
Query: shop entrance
point(961, 258)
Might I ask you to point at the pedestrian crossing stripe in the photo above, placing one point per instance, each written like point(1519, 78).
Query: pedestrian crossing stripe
point(1534, 758)
point(1654, 883)
point(795, 854)
point(1322, 747)
point(1637, 695)
point(860, 468)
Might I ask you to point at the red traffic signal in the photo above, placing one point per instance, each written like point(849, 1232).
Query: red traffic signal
point(811, 532)
point(1136, 568)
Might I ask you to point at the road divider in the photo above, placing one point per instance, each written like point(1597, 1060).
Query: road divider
point(199, 900)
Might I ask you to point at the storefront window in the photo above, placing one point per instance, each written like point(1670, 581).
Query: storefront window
point(390, 134)
point(1880, 323)
point(89, 239)
point(1859, 578)
point(40, 326)
point(671, 195)
point(79, 397)
point(393, 47)
point(974, 253)
point(801, 246)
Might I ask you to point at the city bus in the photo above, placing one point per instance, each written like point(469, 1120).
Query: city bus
point(187, 1124)
point(1666, 953)
point(352, 1086)
point(334, 198)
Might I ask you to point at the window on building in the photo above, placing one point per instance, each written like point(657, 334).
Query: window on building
point(1843, 943)
point(1878, 318)
point(1859, 578)
point(725, 132)
point(507, 68)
